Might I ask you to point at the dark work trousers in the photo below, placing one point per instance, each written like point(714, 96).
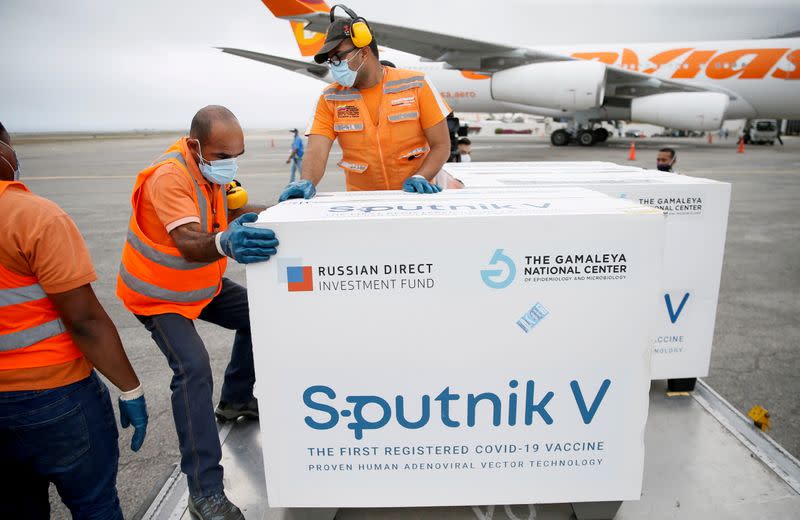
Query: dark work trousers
point(67, 436)
point(192, 384)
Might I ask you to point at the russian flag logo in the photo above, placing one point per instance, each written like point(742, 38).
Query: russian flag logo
point(300, 278)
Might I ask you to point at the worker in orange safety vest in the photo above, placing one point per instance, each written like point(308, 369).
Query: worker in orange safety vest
point(172, 273)
point(390, 123)
point(57, 423)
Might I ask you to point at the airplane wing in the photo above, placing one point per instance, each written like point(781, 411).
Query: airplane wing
point(311, 70)
point(622, 84)
point(459, 53)
point(486, 57)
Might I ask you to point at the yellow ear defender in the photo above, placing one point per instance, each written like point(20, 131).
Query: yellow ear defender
point(236, 194)
point(359, 28)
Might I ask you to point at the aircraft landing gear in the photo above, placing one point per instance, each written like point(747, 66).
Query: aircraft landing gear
point(560, 138)
point(585, 138)
point(600, 135)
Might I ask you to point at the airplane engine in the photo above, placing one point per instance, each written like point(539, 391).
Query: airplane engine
point(684, 110)
point(568, 86)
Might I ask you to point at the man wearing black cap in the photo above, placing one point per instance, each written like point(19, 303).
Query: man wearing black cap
point(296, 157)
point(390, 123)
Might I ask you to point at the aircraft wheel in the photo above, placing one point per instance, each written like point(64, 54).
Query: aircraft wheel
point(600, 135)
point(586, 138)
point(559, 138)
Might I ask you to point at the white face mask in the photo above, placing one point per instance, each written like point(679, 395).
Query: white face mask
point(465, 157)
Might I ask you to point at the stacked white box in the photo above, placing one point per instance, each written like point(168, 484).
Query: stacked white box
point(375, 302)
point(697, 217)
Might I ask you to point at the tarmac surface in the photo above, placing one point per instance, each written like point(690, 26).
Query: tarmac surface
point(756, 357)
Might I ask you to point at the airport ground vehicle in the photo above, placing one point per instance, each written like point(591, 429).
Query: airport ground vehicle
point(761, 131)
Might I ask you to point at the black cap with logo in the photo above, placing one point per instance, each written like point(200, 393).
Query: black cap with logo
point(338, 31)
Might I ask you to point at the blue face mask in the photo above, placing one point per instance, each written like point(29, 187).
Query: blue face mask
point(343, 74)
point(221, 171)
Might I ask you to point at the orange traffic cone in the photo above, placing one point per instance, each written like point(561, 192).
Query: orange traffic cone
point(632, 154)
point(741, 146)
point(710, 139)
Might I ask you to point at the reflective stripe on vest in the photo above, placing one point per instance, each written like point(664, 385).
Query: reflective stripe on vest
point(416, 151)
point(401, 88)
point(353, 166)
point(342, 97)
point(404, 116)
point(159, 293)
point(16, 295)
point(348, 127)
point(404, 80)
point(33, 335)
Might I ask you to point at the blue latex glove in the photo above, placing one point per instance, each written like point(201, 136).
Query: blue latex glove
point(246, 244)
point(298, 190)
point(419, 184)
point(134, 412)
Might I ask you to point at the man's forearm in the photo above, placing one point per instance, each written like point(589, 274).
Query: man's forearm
point(434, 162)
point(99, 341)
point(195, 245)
point(95, 335)
point(315, 158)
point(313, 170)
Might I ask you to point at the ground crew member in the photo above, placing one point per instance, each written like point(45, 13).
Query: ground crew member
point(296, 155)
point(172, 274)
point(390, 122)
point(56, 419)
point(666, 159)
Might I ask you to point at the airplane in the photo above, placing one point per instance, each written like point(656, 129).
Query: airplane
point(684, 85)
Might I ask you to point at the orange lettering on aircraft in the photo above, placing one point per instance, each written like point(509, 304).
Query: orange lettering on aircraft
point(473, 75)
point(630, 60)
point(308, 46)
point(727, 64)
point(609, 58)
point(793, 58)
point(692, 66)
point(662, 58)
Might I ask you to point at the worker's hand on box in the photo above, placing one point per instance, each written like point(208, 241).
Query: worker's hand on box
point(134, 412)
point(246, 244)
point(302, 189)
point(419, 184)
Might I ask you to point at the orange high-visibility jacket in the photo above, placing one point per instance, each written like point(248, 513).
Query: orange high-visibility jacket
point(31, 333)
point(155, 278)
point(380, 156)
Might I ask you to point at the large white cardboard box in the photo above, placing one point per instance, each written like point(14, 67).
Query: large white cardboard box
point(696, 223)
point(417, 351)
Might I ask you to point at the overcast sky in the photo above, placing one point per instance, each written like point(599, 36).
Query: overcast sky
point(78, 65)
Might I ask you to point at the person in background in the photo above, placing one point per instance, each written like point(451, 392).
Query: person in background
point(390, 123)
point(666, 159)
point(464, 150)
point(56, 419)
point(180, 235)
point(296, 155)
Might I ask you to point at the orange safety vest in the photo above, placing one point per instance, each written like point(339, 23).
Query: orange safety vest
point(155, 278)
point(31, 332)
point(380, 155)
